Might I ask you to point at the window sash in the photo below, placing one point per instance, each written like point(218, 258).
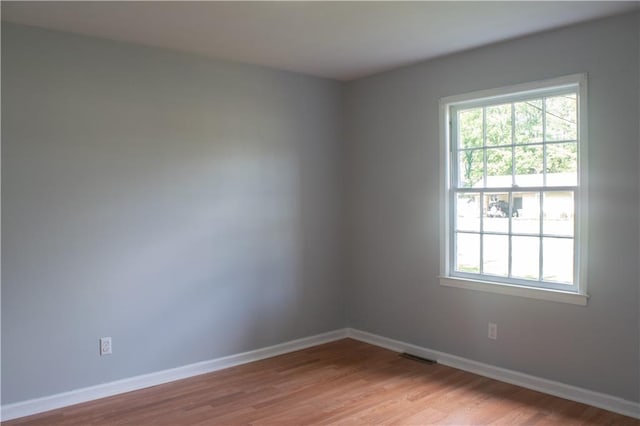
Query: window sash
point(540, 235)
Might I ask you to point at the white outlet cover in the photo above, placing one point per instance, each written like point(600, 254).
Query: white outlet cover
point(493, 331)
point(105, 346)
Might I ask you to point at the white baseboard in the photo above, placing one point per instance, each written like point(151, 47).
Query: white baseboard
point(600, 400)
point(38, 405)
point(573, 393)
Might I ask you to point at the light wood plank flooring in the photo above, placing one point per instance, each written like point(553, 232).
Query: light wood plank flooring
point(345, 382)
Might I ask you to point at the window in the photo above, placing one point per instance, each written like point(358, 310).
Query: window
point(514, 190)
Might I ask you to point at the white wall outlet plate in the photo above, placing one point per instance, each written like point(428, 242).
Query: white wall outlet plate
point(493, 331)
point(105, 346)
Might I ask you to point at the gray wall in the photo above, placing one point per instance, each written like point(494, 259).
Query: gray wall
point(187, 207)
point(393, 153)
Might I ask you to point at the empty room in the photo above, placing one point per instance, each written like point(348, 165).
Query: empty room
point(304, 213)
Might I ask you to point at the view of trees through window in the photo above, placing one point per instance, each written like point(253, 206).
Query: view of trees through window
point(512, 137)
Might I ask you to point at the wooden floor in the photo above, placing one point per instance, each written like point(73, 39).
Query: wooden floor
point(344, 382)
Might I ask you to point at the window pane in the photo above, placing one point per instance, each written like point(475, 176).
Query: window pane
point(561, 118)
point(470, 128)
point(499, 167)
point(557, 260)
point(525, 257)
point(496, 212)
point(495, 252)
point(498, 125)
point(468, 212)
point(529, 165)
point(467, 252)
point(528, 127)
point(526, 219)
point(558, 213)
point(562, 164)
point(470, 169)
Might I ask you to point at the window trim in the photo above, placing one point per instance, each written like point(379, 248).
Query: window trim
point(483, 97)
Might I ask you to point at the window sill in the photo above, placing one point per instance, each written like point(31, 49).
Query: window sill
point(515, 290)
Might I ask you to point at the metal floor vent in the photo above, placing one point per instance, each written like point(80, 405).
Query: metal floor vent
point(418, 358)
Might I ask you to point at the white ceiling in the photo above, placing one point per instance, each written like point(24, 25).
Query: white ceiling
point(340, 40)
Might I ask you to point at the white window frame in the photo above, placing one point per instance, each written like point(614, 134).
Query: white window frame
point(578, 293)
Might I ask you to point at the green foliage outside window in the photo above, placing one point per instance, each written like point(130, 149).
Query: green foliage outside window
point(512, 136)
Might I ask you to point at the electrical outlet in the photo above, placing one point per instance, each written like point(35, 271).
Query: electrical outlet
point(105, 346)
point(493, 331)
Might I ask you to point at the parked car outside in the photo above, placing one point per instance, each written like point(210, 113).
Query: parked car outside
point(500, 208)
